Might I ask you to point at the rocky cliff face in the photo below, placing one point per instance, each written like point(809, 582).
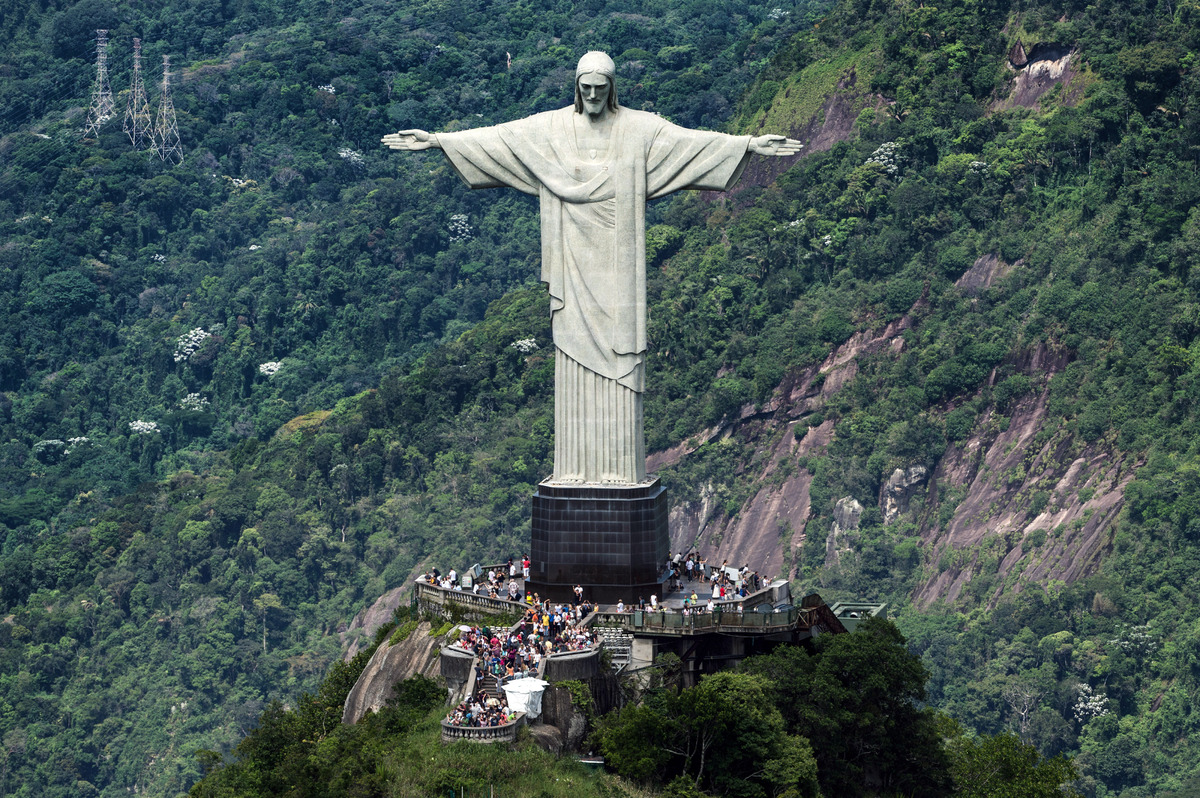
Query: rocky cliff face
point(1037, 71)
point(772, 524)
point(361, 630)
point(390, 665)
point(1036, 505)
point(1031, 504)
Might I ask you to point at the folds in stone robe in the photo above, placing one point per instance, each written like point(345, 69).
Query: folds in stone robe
point(594, 259)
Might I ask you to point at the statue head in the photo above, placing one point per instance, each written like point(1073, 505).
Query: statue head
point(595, 84)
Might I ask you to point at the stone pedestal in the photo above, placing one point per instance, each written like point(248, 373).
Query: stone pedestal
point(610, 539)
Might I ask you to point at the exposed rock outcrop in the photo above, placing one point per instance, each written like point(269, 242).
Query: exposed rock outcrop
point(846, 515)
point(1016, 55)
point(986, 271)
point(1034, 507)
point(895, 494)
point(772, 523)
point(362, 629)
point(1022, 481)
point(390, 665)
point(1045, 66)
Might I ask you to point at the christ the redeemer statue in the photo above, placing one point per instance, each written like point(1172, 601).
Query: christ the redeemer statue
point(592, 167)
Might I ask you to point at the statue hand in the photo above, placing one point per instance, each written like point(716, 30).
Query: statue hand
point(775, 145)
point(411, 140)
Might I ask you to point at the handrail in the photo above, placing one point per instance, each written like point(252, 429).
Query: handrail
point(441, 595)
point(720, 620)
point(505, 732)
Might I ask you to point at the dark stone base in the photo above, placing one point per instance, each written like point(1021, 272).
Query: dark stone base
point(612, 540)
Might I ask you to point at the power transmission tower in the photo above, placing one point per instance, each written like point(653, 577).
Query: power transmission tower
point(137, 110)
point(166, 128)
point(101, 109)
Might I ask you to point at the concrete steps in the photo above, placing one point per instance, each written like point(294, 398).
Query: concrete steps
point(619, 644)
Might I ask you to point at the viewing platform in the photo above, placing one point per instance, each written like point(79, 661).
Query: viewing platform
point(707, 633)
point(504, 733)
point(431, 597)
point(721, 621)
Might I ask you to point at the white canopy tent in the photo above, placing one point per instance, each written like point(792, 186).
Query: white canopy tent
point(525, 695)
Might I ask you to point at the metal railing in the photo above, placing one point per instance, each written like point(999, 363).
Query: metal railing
point(722, 621)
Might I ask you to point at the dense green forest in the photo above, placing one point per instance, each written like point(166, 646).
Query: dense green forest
point(243, 396)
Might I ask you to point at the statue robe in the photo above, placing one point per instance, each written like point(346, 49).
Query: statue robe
point(593, 220)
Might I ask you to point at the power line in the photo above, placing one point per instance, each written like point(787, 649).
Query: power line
point(137, 110)
point(101, 109)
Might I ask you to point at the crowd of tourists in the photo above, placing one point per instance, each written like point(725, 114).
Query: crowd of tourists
point(721, 583)
point(498, 582)
point(546, 628)
point(518, 652)
point(481, 710)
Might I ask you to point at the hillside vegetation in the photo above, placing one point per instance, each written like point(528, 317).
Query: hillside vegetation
point(343, 367)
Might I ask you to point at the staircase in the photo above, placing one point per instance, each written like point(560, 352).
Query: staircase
point(618, 643)
point(489, 685)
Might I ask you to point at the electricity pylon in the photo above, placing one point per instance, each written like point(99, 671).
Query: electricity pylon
point(137, 110)
point(166, 128)
point(101, 109)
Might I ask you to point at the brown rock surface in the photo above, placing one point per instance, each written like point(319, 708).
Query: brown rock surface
point(389, 666)
point(984, 273)
point(1047, 67)
point(834, 123)
point(1017, 476)
point(774, 519)
point(1002, 476)
point(361, 630)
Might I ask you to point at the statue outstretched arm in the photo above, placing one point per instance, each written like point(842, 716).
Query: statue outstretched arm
point(775, 145)
point(412, 140)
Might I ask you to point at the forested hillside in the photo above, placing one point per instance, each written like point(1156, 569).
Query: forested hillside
point(244, 396)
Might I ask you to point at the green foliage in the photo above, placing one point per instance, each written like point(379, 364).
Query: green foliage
point(1005, 767)
point(402, 426)
point(859, 699)
point(402, 632)
point(581, 698)
point(630, 740)
point(396, 751)
point(722, 736)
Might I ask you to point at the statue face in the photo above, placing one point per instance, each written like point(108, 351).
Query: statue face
point(594, 88)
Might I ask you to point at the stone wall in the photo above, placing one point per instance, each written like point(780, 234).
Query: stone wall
point(467, 606)
point(580, 665)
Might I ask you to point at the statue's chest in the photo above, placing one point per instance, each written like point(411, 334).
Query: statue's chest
point(593, 148)
point(592, 142)
point(586, 169)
